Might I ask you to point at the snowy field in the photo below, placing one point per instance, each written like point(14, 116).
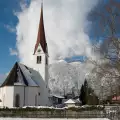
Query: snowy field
point(51, 119)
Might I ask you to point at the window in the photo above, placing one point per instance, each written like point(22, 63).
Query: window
point(39, 93)
point(35, 100)
point(17, 100)
point(38, 59)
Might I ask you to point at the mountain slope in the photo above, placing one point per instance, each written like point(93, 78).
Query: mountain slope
point(65, 77)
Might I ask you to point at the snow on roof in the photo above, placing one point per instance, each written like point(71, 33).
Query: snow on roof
point(70, 101)
point(23, 76)
point(58, 96)
point(78, 100)
point(36, 76)
point(18, 83)
point(27, 75)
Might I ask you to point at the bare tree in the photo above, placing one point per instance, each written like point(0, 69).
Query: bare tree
point(107, 20)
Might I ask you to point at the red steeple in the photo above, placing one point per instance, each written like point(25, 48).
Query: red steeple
point(41, 34)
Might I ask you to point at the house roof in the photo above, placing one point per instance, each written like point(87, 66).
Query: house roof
point(72, 101)
point(22, 75)
point(41, 39)
point(116, 98)
point(57, 96)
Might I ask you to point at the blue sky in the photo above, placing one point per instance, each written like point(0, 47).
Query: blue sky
point(8, 21)
point(7, 37)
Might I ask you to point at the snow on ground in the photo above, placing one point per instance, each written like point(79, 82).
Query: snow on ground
point(51, 119)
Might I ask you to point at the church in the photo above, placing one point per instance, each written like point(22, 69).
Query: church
point(26, 86)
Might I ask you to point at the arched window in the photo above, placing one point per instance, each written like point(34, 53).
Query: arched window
point(39, 59)
point(35, 100)
point(17, 100)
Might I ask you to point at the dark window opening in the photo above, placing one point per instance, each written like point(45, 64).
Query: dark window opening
point(17, 100)
point(39, 93)
point(38, 59)
point(36, 100)
point(59, 101)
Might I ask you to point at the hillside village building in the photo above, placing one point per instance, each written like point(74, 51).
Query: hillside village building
point(25, 86)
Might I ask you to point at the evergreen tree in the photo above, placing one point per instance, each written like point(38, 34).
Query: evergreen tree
point(87, 95)
point(85, 85)
point(81, 97)
point(84, 93)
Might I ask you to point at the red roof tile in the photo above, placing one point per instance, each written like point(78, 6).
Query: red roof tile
point(116, 98)
point(41, 39)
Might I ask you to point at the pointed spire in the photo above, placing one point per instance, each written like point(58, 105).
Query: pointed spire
point(41, 34)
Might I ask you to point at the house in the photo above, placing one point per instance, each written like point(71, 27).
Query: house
point(56, 100)
point(26, 86)
point(116, 100)
point(72, 103)
point(69, 96)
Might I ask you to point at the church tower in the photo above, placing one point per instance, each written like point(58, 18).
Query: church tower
point(41, 50)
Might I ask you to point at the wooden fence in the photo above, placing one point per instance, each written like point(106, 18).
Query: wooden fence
point(111, 112)
point(70, 114)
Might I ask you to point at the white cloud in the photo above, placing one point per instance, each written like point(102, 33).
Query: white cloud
point(13, 52)
point(65, 22)
point(9, 28)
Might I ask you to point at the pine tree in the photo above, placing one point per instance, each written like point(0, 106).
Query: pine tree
point(82, 95)
point(85, 92)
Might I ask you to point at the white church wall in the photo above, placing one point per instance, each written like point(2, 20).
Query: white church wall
point(6, 96)
point(1, 102)
point(44, 89)
point(44, 95)
point(46, 71)
point(43, 70)
point(28, 95)
point(31, 96)
point(19, 90)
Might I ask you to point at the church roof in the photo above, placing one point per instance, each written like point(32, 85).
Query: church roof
point(41, 39)
point(22, 75)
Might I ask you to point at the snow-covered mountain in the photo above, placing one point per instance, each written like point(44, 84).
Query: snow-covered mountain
point(65, 77)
